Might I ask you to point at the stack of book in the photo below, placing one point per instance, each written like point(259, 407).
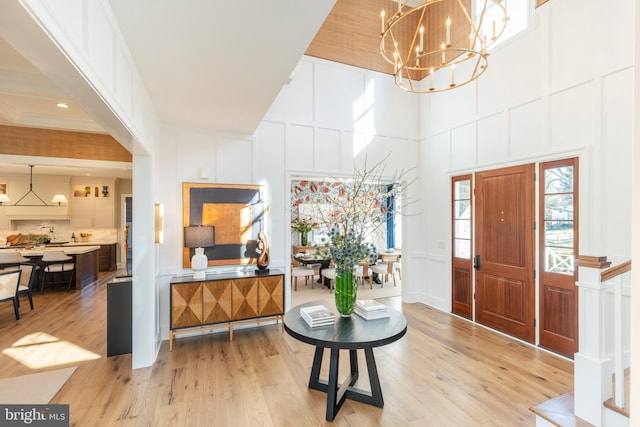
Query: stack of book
point(370, 309)
point(317, 315)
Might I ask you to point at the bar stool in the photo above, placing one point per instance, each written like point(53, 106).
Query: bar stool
point(57, 263)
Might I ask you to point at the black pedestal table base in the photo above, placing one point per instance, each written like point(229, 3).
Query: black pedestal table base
point(350, 334)
point(336, 394)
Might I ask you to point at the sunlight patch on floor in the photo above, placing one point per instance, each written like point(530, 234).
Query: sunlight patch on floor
point(41, 350)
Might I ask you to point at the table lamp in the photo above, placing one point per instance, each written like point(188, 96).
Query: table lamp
point(199, 237)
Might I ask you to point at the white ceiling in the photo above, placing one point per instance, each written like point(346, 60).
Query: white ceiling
point(206, 64)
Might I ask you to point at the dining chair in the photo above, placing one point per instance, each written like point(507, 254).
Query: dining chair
point(57, 263)
point(362, 273)
point(9, 281)
point(397, 269)
point(15, 261)
point(301, 271)
point(386, 268)
point(330, 275)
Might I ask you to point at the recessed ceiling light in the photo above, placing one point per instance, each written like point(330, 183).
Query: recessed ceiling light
point(62, 105)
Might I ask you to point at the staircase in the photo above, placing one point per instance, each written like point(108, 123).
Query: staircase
point(604, 353)
point(614, 414)
point(558, 412)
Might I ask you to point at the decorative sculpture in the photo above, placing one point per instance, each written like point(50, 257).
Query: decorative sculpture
point(263, 258)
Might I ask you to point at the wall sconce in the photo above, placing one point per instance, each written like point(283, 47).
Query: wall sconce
point(59, 199)
point(159, 223)
point(203, 173)
point(4, 198)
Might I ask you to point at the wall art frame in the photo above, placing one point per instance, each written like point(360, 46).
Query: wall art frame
point(237, 211)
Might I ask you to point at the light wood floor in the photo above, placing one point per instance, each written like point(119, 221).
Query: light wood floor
point(444, 372)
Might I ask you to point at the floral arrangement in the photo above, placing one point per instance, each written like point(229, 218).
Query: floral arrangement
point(347, 249)
point(303, 225)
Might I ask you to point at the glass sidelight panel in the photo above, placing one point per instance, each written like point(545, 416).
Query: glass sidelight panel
point(462, 219)
point(558, 204)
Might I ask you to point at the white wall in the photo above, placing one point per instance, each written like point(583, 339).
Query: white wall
point(559, 90)
point(327, 117)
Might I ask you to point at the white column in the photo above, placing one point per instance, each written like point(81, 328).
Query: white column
point(146, 331)
point(592, 366)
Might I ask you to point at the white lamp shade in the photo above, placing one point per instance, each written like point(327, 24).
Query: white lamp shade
point(4, 198)
point(59, 198)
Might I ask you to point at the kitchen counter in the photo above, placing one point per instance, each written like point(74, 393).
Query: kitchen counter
point(69, 250)
point(96, 242)
point(85, 257)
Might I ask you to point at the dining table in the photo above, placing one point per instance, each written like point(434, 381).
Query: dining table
point(311, 259)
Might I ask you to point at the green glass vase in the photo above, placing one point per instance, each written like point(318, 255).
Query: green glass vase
point(304, 238)
point(345, 290)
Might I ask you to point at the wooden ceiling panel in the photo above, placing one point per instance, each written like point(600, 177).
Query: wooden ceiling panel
point(351, 33)
point(23, 141)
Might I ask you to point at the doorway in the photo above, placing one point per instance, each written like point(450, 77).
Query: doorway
point(494, 269)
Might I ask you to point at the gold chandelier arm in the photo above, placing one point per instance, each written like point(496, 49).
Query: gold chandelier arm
point(447, 64)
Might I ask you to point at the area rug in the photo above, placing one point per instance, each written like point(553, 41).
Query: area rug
point(35, 389)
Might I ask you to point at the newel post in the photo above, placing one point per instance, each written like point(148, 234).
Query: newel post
point(593, 367)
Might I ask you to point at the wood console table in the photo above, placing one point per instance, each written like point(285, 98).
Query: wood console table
point(224, 300)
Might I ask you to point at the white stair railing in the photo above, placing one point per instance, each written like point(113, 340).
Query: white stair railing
point(603, 313)
point(614, 276)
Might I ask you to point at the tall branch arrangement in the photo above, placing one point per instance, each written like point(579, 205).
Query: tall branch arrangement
point(358, 208)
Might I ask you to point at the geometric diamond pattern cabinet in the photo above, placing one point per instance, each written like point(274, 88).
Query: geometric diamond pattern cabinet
point(224, 299)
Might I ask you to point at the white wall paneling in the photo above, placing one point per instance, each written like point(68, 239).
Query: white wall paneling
point(438, 292)
point(573, 117)
point(123, 80)
point(339, 95)
point(463, 146)
point(616, 155)
point(527, 128)
point(100, 49)
point(493, 146)
point(329, 151)
point(300, 147)
point(193, 151)
point(240, 169)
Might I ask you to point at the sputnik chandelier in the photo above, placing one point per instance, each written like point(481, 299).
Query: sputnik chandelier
point(442, 41)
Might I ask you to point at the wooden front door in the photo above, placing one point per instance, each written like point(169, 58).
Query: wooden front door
point(504, 250)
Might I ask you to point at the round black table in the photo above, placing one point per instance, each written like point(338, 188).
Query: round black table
point(351, 334)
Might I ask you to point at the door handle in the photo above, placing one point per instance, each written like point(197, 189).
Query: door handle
point(476, 262)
